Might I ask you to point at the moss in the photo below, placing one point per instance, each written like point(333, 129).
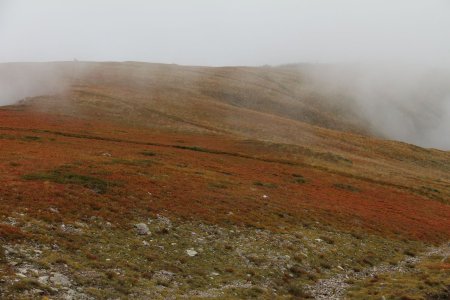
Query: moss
point(198, 149)
point(64, 177)
point(30, 138)
point(26, 284)
point(148, 153)
point(218, 185)
point(265, 184)
point(133, 162)
point(346, 187)
point(27, 138)
point(297, 291)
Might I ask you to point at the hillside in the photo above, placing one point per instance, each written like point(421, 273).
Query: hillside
point(145, 181)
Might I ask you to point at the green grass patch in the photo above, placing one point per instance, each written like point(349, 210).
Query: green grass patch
point(265, 184)
point(132, 162)
point(217, 185)
point(27, 138)
point(346, 187)
point(148, 153)
point(30, 138)
point(199, 149)
point(63, 177)
point(297, 178)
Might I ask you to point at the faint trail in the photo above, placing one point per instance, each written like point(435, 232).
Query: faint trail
point(181, 147)
point(220, 152)
point(334, 288)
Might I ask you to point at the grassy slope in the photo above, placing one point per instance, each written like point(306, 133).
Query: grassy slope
point(333, 200)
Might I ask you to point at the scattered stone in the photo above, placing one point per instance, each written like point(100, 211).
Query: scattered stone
point(60, 279)
point(80, 224)
point(43, 280)
point(164, 222)
point(191, 252)
point(38, 291)
point(163, 276)
point(108, 224)
point(70, 229)
point(142, 229)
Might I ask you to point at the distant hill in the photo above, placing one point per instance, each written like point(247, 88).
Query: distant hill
point(232, 99)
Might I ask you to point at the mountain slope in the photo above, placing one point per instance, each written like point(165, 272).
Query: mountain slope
point(242, 196)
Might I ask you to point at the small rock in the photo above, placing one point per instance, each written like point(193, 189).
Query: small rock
point(43, 280)
point(60, 279)
point(142, 229)
point(191, 252)
point(34, 272)
point(80, 224)
point(38, 291)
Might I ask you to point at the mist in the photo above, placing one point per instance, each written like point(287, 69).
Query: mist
point(218, 33)
point(19, 81)
point(409, 103)
point(390, 59)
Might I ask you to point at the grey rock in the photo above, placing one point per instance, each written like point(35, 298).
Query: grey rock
point(142, 229)
point(60, 279)
point(191, 252)
point(43, 280)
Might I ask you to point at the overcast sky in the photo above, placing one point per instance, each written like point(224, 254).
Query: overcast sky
point(226, 32)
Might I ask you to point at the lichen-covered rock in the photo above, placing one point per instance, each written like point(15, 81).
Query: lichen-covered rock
point(60, 279)
point(142, 229)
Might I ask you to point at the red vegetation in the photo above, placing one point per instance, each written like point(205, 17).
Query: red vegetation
point(238, 182)
point(11, 233)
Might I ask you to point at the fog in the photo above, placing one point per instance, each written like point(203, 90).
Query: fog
point(401, 49)
point(400, 102)
point(220, 32)
point(19, 81)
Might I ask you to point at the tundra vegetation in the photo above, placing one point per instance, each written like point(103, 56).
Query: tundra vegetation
point(168, 202)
